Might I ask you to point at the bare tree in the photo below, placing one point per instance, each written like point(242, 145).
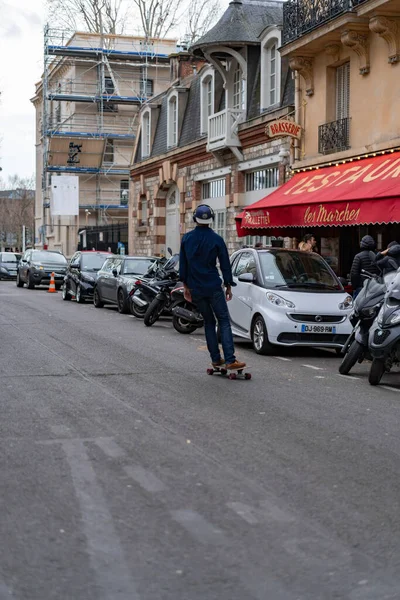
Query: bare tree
point(96, 16)
point(158, 17)
point(17, 209)
point(200, 17)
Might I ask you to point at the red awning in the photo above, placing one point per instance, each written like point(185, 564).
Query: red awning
point(357, 193)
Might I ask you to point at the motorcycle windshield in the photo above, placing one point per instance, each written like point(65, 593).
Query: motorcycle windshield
point(394, 289)
point(172, 263)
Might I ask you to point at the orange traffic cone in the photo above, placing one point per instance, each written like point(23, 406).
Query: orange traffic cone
point(52, 286)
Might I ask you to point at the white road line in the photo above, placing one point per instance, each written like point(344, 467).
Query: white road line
point(319, 376)
point(282, 358)
point(109, 447)
point(313, 367)
point(244, 511)
point(104, 548)
point(198, 527)
point(348, 377)
point(145, 479)
point(392, 389)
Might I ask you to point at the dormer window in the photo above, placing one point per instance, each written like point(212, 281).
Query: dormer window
point(146, 134)
point(239, 90)
point(172, 121)
point(207, 99)
point(270, 69)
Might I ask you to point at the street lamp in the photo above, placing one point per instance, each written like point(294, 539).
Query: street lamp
point(87, 212)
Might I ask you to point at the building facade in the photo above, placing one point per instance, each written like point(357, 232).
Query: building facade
point(87, 106)
point(204, 140)
point(345, 56)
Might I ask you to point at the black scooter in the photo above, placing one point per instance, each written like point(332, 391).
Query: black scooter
point(145, 289)
point(162, 302)
point(185, 315)
point(384, 336)
point(366, 307)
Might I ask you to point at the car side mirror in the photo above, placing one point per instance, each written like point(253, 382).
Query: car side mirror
point(115, 272)
point(247, 277)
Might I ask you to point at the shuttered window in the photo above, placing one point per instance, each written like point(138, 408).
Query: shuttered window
point(262, 179)
point(213, 189)
point(220, 222)
point(343, 91)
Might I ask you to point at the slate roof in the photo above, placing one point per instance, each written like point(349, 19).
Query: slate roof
point(241, 24)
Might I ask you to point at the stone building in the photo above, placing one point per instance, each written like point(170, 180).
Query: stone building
point(204, 139)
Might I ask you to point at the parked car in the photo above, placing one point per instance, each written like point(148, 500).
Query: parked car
point(81, 275)
point(287, 298)
point(36, 267)
point(117, 278)
point(8, 265)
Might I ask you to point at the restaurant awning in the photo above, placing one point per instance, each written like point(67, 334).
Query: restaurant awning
point(359, 192)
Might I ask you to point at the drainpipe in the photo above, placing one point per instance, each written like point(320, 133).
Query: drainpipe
point(297, 104)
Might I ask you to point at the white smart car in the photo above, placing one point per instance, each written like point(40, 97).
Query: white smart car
point(287, 298)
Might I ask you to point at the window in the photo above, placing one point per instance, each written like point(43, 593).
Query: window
point(239, 102)
point(271, 69)
point(172, 122)
point(213, 189)
point(109, 152)
point(262, 179)
point(272, 75)
point(144, 216)
point(146, 134)
point(109, 86)
point(343, 91)
point(220, 222)
point(207, 101)
point(124, 191)
point(146, 88)
point(241, 264)
point(252, 240)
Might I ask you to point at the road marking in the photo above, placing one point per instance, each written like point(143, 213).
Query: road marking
point(392, 389)
point(198, 527)
point(348, 377)
point(110, 447)
point(282, 358)
point(313, 367)
point(319, 376)
point(244, 511)
point(104, 548)
point(145, 479)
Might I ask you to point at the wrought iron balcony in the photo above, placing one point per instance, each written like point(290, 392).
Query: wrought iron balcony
point(334, 136)
point(302, 16)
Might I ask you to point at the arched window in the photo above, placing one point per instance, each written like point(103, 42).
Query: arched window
point(271, 70)
point(172, 122)
point(207, 100)
point(146, 134)
point(239, 90)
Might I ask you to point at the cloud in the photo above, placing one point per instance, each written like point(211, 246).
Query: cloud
point(13, 31)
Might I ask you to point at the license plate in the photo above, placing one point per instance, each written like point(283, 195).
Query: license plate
point(318, 329)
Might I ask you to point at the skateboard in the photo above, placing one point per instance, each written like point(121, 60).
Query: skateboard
point(235, 374)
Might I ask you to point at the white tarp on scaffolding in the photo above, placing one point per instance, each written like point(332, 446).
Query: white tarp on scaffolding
point(64, 195)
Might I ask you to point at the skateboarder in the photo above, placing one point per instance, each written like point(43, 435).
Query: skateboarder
point(200, 249)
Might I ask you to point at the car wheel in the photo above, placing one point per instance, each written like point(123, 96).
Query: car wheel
point(29, 283)
point(79, 298)
point(376, 371)
point(96, 299)
point(65, 294)
point(259, 337)
point(122, 307)
point(19, 282)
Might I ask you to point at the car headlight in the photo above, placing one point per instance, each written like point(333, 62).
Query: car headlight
point(88, 278)
point(395, 318)
point(369, 312)
point(346, 304)
point(130, 286)
point(37, 267)
point(3, 270)
point(279, 301)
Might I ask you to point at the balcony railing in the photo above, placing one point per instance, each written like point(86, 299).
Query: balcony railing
point(334, 136)
point(222, 128)
point(302, 16)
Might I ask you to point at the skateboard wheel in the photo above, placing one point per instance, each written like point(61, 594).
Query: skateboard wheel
point(224, 371)
point(247, 375)
point(210, 371)
point(232, 376)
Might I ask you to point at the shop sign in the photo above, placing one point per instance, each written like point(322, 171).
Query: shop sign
point(258, 218)
point(283, 127)
point(325, 215)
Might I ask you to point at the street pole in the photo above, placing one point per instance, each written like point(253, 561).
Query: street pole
point(23, 238)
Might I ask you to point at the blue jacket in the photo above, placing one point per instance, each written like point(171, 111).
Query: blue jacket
point(200, 249)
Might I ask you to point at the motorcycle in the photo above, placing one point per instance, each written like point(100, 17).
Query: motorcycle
point(384, 336)
point(185, 316)
point(145, 289)
point(366, 307)
point(162, 301)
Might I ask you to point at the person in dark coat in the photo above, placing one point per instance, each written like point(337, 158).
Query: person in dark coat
point(363, 261)
point(389, 259)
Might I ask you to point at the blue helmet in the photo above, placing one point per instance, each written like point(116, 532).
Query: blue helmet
point(204, 215)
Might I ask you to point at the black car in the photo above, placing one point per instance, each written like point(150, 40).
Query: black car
point(36, 267)
point(116, 279)
point(8, 265)
point(81, 276)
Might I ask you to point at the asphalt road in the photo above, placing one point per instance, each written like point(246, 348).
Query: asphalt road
point(127, 473)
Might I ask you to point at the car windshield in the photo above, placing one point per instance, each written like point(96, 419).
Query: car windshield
point(297, 270)
point(9, 257)
point(93, 262)
point(137, 266)
point(49, 257)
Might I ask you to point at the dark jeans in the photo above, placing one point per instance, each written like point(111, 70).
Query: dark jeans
point(211, 306)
